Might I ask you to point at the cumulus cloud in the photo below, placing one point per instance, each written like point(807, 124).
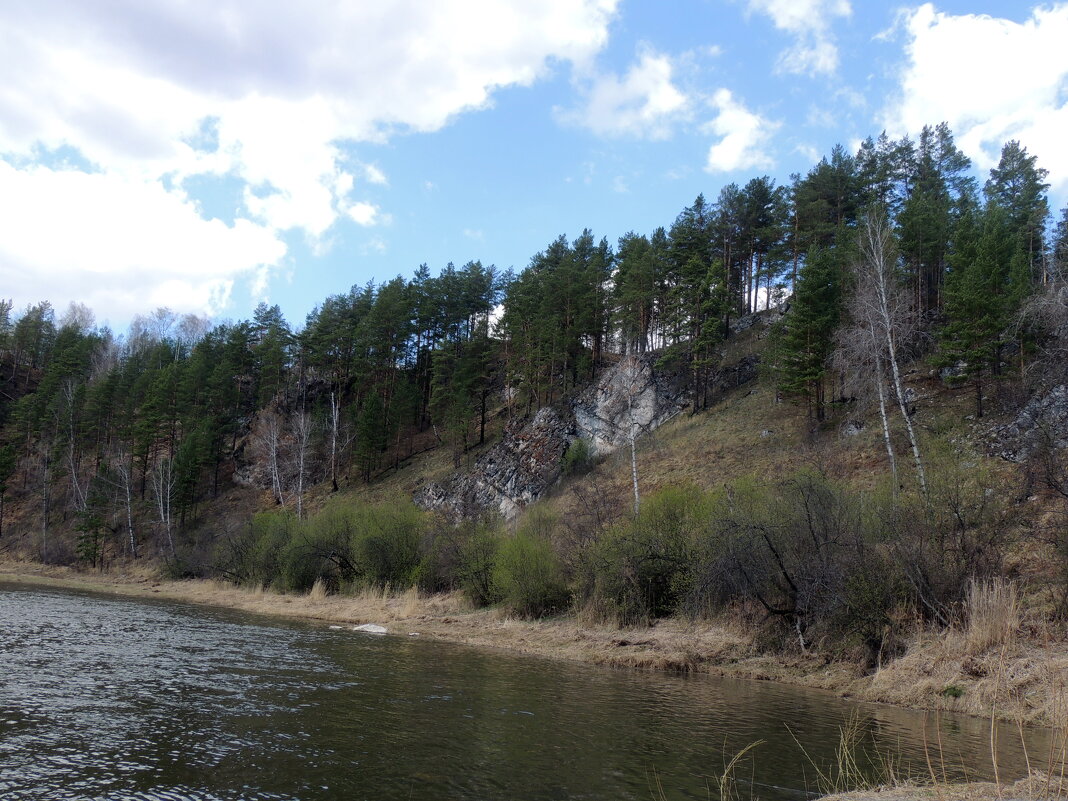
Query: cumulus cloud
point(743, 136)
point(643, 103)
point(153, 92)
point(126, 245)
point(374, 175)
point(809, 22)
point(366, 214)
point(991, 79)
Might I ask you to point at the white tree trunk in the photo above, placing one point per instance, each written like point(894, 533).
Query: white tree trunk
point(878, 245)
point(125, 482)
point(302, 430)
point(163, 490)
point(335, 422)
point(886, 425)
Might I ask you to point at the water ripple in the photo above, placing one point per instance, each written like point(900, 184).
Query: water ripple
point(119, 699)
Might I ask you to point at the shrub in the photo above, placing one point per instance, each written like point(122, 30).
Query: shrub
point(389, 543)
point(474, 571)
point(643, 567)
point(268, 549)
point(527, 576)
point(577, 459)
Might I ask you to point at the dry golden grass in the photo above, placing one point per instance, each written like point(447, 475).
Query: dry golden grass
point(1018, 680)
point(993, 615)
point(1037, 787)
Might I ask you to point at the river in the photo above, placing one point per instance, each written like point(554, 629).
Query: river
point(104, 698)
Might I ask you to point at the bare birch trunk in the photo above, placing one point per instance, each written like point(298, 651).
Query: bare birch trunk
point(878, 244)
point(335, 421)
point(163, 489)
point(886, 425)
point(302, 429)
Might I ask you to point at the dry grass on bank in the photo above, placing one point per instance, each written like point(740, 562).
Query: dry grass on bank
point(670, 645)
point(986, 665)
point(1037, 787)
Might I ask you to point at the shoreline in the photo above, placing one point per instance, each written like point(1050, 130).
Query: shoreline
point(1027, 686)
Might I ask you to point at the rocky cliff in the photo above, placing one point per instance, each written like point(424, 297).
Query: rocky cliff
point(631, 395)
point(1041, 423)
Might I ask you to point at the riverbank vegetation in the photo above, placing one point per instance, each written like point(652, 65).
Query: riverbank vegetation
point(887, 492)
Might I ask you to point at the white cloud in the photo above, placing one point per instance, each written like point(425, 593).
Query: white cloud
point(743, 136)
point(992, 80)
point(644, 103)
point(374, 175)
point(159, 250)
point(809, 22)
point(367, 214)
point(375, 245)
point(268, 94)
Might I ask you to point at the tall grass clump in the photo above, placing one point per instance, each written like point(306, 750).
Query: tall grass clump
point(993, 614)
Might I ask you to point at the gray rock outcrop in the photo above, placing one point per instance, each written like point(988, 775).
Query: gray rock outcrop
point(526, 463)
point(631, 394)
point(1043, 422)
point(514, 472)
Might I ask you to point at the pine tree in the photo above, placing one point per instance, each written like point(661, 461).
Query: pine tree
point(985, 286)
point(941, 187)
point(804, 339)
point(1018, 186)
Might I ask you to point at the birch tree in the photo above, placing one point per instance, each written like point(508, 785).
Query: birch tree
point(123, 483)
point(882, 318)
point(163, 492)
point(270, 441)
point(301, 424)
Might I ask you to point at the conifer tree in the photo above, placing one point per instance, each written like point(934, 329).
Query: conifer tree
point(804, 340)
point(985, 286)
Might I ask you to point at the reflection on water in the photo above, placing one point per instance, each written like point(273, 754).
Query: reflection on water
point(120, 699)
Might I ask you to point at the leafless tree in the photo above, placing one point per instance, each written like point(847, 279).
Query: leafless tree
point(1047, 311)
point(631, 379)
point(78, 316)
point(882, 318)
point(79, 492)
point(188, 332)
point(340, 439)
point(301, 424)
point(163, 491)
point(124, 479)
point(270, 441)
point(285, 444)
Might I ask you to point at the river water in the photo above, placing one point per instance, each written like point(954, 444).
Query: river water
point(104, 698)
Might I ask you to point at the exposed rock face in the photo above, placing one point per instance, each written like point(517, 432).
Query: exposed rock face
point(630, 394)
point(526, 463)
point(514, 472)
point(732, 376)
point(1042, 422)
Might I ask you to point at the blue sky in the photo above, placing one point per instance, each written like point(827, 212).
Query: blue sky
point(204, 157)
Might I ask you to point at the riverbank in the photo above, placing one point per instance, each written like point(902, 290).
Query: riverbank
point(1023, 680)
point(1037, 786)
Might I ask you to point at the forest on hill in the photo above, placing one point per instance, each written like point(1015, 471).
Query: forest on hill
point(119, 446)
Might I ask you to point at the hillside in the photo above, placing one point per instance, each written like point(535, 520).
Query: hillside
point(825, 420)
